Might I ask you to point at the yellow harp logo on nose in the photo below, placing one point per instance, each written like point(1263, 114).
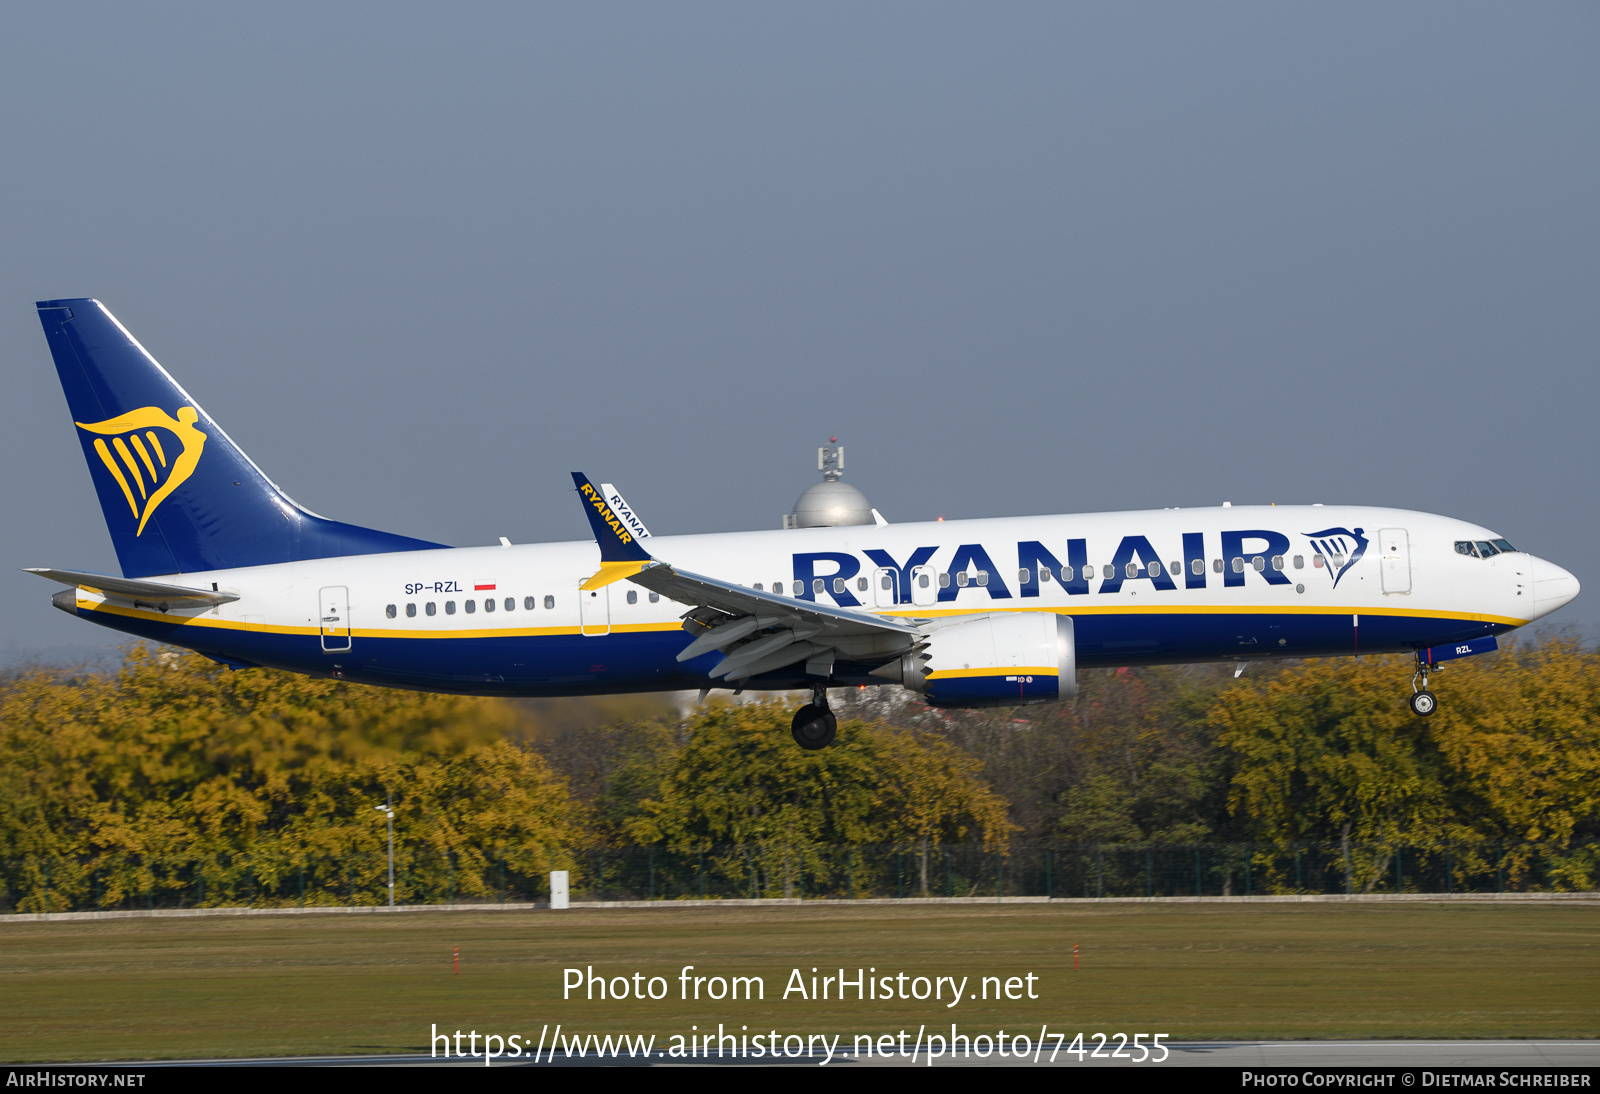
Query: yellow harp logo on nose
point(136, 440)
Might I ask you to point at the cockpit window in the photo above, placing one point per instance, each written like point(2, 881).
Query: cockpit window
point(1483, 548)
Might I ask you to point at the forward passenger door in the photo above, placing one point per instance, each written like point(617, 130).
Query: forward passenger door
point(1394, 560)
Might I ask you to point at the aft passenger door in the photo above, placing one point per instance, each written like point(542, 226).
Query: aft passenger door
point(334, 618)
point(1394, 560)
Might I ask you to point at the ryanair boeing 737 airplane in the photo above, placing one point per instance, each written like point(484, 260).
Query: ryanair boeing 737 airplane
point(967, 613)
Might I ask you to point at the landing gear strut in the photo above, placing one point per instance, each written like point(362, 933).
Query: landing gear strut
point(814, 725)
point(1423, 702)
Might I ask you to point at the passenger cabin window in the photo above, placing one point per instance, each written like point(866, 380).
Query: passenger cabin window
point(472, 606)
point(944, 579)
point(1174, 569)
point(1259, 563)
point(488, 604)
point(528, 602)
point(983, 577)
point(1216, 565)
point(1299, 562)
point(1044, 573)
point(777, 587)
point(633, 596)
point(549, 602)
point(449, 607)
point(757, 587)
point(654, 597)
point(411, 611)
point(511, 603)
point(961, 580)
point(390, 611)
point(861, 584)
point(1131, 569)
point(1318, 562)
point(817, 585)
point(1277, 562)
point(1238, 565)
point(431, 609)
point(1198, 567)
point(1109, 572)
point(1066, 574)
point(1154, 569)
point(798, 587)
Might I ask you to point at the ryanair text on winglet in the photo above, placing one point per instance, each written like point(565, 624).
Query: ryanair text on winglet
point(605, 512)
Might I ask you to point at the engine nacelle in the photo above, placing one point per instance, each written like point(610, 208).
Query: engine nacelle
point(1000, 659)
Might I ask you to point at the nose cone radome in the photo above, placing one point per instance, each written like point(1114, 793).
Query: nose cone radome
point(1553, 587)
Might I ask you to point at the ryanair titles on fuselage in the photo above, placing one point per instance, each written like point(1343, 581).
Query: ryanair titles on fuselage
point(1262, 551)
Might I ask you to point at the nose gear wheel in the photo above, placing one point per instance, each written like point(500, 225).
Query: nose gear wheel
point(1423, 702)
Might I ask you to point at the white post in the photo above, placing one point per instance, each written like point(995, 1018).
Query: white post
point(389, 812)
point(558, 889)
point(387, 809)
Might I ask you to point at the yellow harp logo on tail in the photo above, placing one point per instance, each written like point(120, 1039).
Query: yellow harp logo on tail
point(146, 467)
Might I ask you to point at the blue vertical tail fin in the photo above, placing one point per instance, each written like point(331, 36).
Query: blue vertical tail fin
point(178, 495)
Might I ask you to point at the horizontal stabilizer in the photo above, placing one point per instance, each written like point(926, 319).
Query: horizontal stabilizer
point(141, 592)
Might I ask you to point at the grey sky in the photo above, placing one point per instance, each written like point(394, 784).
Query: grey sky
point(420, 261)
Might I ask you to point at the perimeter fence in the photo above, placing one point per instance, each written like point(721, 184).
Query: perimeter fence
point(268, 879)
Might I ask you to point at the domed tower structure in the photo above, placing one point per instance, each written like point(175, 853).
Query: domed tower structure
point(831, 503)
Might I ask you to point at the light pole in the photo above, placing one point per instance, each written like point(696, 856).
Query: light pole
point(387, 810)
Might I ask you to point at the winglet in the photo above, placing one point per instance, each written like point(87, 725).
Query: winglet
point(620, 554)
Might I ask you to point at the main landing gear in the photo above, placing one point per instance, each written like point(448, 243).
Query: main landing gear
point(1423, 701)
point(814, 725)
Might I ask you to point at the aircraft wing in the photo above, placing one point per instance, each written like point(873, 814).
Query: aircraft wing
point(148, 593)
point(756, 631)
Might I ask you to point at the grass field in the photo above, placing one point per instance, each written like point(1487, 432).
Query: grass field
point(157, 988)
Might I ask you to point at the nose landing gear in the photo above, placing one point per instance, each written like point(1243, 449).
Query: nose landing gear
point(1423, 701)
point(814, 725)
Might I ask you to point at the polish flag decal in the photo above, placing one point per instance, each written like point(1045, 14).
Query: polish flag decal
point(481, 588)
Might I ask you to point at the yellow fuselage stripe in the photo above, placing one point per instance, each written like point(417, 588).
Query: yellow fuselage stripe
point(208, 621)
point(1209, 609)
point(1024, 670)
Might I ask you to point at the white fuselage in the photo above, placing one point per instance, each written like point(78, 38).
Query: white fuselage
point(1173, 585)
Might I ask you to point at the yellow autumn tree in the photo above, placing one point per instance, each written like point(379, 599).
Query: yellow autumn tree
point(179, 774)
point(1504, 774)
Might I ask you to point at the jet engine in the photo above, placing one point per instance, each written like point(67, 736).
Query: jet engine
point(999, 659)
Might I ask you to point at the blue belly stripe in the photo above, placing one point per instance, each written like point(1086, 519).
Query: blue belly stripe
point(646, 661)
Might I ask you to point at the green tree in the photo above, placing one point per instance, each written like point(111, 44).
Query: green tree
point(740, 779)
